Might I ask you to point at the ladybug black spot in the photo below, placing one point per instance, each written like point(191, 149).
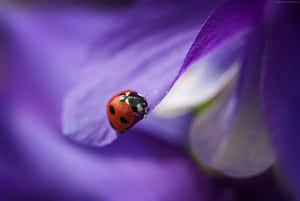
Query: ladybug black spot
point(123, 120)
point(112, 110)
point(112, 125)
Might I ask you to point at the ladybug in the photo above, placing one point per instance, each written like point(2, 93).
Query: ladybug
point(125, 109)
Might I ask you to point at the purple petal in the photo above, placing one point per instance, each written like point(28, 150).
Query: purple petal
point(262, 187)
point(281, 82)
point(232, 137)
point(204, 79)
point(53, 47)
point(229, 19)
point(147, 57)
point(171, 129)
point(136, 168)
point(45, 51)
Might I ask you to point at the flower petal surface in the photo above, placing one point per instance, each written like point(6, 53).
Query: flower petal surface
point(171, 129)
point(49, 51)
point(281, 90)
point(232, 138)
point(204, 79)
point(136, 168)
point(147, 54)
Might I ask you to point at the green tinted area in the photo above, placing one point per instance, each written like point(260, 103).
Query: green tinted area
point(203, 107)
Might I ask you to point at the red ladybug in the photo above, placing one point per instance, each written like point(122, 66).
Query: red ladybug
point(125, 109)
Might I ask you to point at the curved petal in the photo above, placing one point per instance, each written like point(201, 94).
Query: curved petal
point(136, 168)
point(49, 57)
point(232, 137)
point(281, 90)
point(232, 17)
point(147, 57)
point(206, 77)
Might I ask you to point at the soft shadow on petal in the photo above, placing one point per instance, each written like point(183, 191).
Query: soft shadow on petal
point(135, 168)
point(281, 84)
point(146, 54)
point(259, 188)
point(232, 137)
point(171, 129)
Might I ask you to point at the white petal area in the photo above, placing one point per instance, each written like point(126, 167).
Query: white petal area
point(237, 147)
point(232, 136)
point(204, 79)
